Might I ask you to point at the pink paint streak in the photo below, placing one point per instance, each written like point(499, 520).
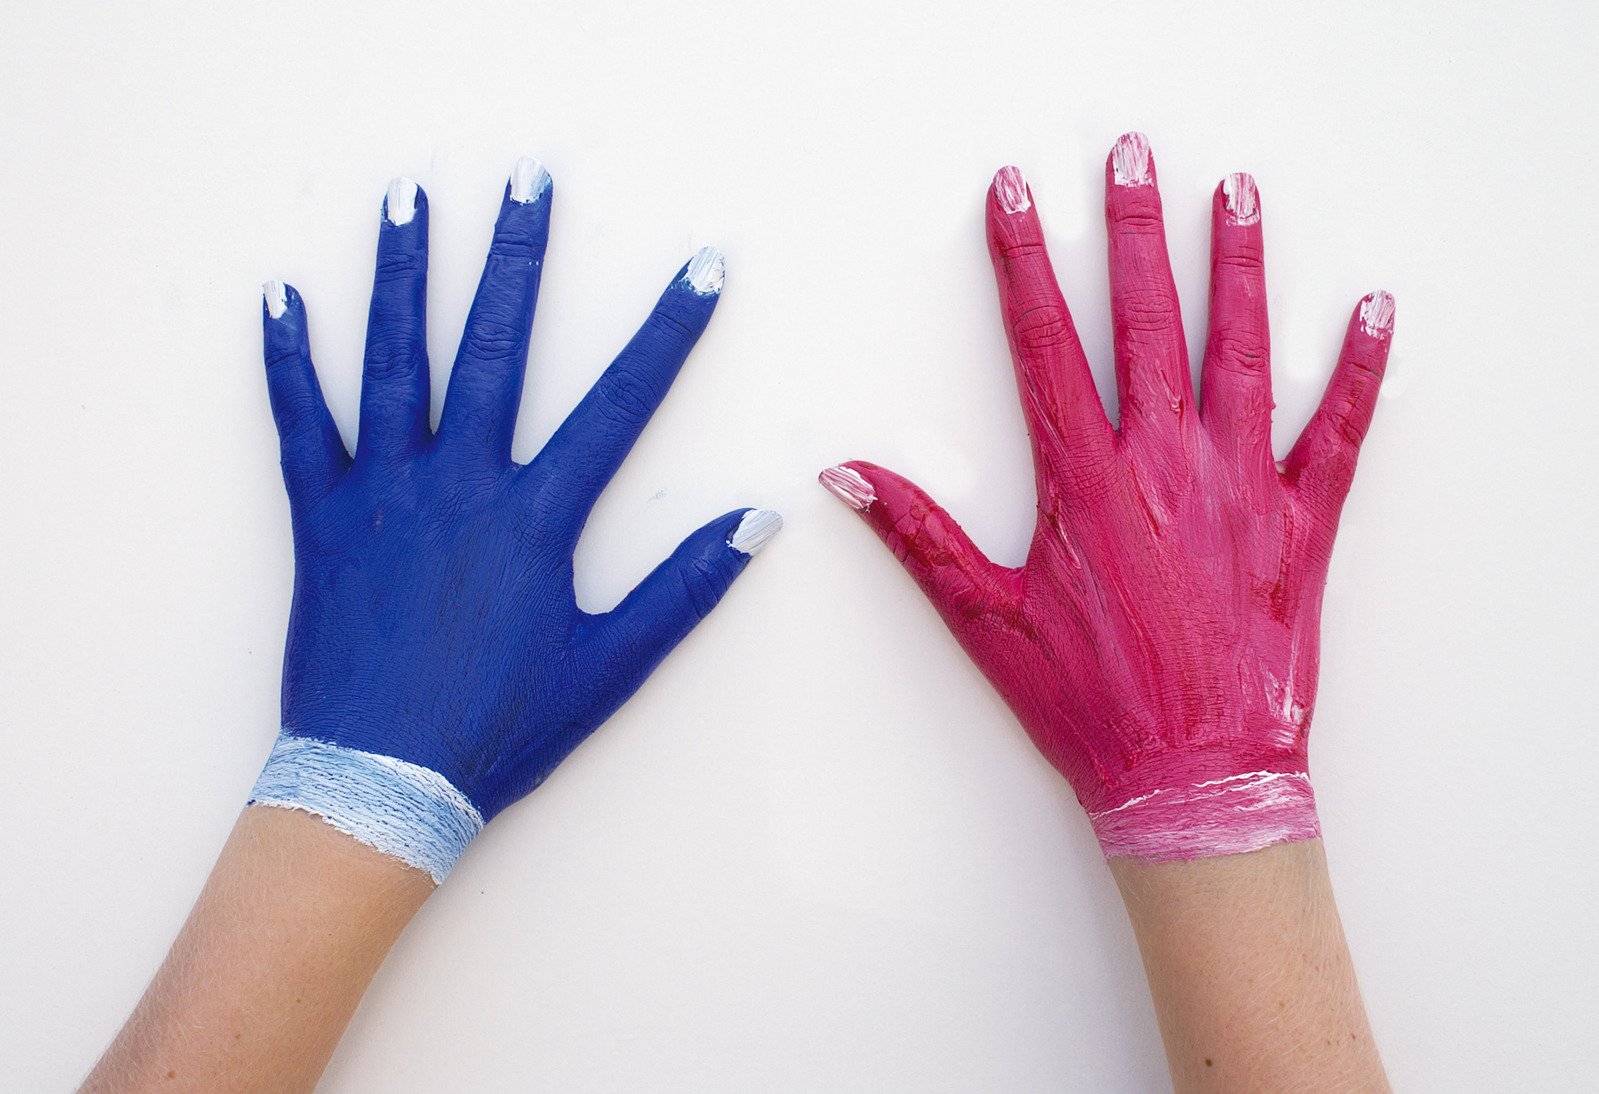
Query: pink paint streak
point(1160, 643)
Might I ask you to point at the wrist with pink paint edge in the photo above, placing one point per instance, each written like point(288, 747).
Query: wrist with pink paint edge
point(1229, 815)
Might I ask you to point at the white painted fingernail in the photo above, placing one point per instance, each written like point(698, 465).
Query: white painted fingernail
point(399, 204)
point(1129, 160)
point(529, 180)
point(1242, 200)
point(1377, 314)
point(847, 485)
point(1010, 189)
point(705, 271)
point(755, 530)
point(276, 294)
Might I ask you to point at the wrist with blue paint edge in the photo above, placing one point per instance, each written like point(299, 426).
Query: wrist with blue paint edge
point(400, 809)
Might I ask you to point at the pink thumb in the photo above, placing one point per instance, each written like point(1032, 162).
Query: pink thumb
point(951, 570)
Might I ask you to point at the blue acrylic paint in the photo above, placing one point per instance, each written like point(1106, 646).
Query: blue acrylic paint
point(434, 620)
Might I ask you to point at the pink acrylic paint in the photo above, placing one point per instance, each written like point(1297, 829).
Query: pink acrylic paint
point(1160, 643)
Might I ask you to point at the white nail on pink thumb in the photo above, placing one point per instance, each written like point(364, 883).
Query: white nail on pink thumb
point(847, 485)
point(1010, 190)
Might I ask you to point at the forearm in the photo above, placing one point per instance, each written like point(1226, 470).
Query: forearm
point(1253, 984)
point(292, 924)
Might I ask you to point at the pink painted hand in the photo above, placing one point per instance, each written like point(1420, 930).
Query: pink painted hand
point(1160, 643)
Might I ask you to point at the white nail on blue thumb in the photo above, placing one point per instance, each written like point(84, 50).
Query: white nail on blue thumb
point(755, 530)
point(705, 271)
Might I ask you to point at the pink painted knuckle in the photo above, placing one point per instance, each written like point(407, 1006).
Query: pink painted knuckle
point(1242, 348)
point(1245, 261)
point(1136, 212)
point(1020, 254)
point(1044, 326)
point(1368, 368)
point(1146, 308)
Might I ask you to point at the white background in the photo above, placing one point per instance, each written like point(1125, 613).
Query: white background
point(815, 853)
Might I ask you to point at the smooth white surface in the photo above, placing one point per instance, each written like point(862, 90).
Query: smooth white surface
point(815, 853)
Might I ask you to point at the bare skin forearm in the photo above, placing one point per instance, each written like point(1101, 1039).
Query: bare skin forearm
point(1253, 984)
point(292, 924)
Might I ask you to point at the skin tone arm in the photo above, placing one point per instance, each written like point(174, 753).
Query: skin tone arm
point(256, 991)
point(438, 666)
point(297, 917)
point(1250, 972)
point(1160, 643)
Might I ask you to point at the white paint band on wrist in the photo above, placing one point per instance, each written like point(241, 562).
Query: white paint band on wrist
point(1228, 816)
point(398, 808)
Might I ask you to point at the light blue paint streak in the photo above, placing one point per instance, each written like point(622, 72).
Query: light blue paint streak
point(399, 808)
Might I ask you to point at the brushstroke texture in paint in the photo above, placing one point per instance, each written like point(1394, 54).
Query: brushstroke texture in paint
point(1010, 190)
point(1160, 644)
point(755, 531)
point(1241, 198)
point(706, 271)
point(848, 486)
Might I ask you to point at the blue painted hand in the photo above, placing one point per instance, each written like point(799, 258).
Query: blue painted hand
point(438, 666)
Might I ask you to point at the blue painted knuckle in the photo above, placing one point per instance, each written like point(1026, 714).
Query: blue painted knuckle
point(518, 243)
point(674, 323)
point(389, 355)
point(279, 353)
point(494, 335)
point(400, 263)
point(627, 394)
